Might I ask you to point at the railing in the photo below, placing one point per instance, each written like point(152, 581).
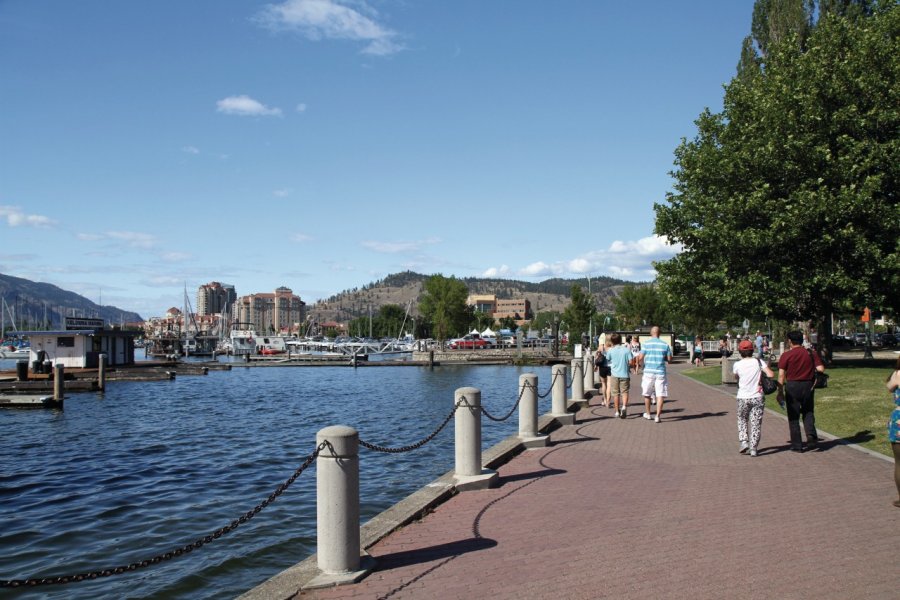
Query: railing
point(336, 454)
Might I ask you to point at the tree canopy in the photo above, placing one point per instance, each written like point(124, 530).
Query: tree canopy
point(578, 314)
point(785, 203)
point(443, 304)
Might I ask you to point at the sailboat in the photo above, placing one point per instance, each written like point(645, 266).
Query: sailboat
point(9, 349)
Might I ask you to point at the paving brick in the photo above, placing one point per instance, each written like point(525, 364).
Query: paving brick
point(633, 509)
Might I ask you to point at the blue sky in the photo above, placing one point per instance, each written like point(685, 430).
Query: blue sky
point(324, 144)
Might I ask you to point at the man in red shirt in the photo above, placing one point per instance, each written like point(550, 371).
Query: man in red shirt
point(796, 378)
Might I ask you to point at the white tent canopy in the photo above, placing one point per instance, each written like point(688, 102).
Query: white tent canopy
point(488, 333)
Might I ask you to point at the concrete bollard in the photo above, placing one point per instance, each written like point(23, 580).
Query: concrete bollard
point(58, 387)
point(469, 474)
point(558, 408)
point(101, 372)
point(577, 380)
point(337, 508)
point(528, 406)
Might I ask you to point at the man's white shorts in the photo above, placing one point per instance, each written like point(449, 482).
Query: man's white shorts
point(654, 384)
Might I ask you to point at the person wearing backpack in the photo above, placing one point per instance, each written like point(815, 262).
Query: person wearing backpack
point(751, 401)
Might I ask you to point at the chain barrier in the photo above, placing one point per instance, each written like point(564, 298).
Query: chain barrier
point(420, 443)
point(547, 393)
point(186, 549)
point(510, 413)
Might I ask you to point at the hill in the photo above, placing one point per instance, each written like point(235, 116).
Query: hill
point(406, 287)
point(38, 305)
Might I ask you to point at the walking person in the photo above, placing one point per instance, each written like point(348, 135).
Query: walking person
point(601, 365)
point(698, 353)
point(759, 344)
point(893, 384)
point(796, 378)
point(635, 351)
point(620, 362)
point(653, 357)
point(751, 401)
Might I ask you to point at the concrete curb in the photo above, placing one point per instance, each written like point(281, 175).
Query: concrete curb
point(290, 581)
point(822, 434)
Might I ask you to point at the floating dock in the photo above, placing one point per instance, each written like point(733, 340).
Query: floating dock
point(29, 401)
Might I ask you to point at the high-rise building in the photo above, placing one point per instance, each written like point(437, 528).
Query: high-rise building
point(215, 297)
point(278, 311)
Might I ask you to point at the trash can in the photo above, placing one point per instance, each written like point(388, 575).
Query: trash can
point(37, 367)
point(22, 370)
point(48, 366)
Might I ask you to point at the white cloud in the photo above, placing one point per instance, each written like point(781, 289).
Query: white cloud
point(245, 106)
point(131, 238)
point(332, 19)
point(88, 237)
point(500, 271)
point(281, 192)
point(190, 150)
point(301, 237)
point(15, 217)
point(629, 259)
point(301, 107)
point(398, 247)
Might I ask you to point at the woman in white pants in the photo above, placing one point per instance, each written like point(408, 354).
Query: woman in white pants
point(750, 398)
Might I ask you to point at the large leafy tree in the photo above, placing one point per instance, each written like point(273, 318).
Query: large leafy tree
point(639, 305)
point(785, 203)
point(578, 314)
point(443, 304)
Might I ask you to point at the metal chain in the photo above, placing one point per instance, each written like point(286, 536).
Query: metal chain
point(547, 393)
point(186, 549)
point(510, 413)
point(420, 443)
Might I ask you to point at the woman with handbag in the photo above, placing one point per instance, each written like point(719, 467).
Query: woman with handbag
point(751, 400)
point(602, 368)
point(893, 384)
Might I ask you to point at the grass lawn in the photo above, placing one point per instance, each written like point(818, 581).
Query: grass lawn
point(855, 406)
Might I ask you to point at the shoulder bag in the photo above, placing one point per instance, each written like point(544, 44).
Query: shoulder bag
point(767, 384)
point(820, 379)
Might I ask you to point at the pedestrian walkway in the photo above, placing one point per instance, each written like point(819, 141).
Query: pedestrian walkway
point(634, 509)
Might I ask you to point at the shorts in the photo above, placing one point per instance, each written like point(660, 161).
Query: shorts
point(603, 371)
point(655, 384)
point(619, 385)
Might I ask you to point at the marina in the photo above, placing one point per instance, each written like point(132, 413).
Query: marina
point(179, 458)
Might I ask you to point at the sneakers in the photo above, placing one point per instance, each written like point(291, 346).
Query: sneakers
point(656, 418)
point(753, 452)
point(622, 413)
point(744, 447)
point(647, 416)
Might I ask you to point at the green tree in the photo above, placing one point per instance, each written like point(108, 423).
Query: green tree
point(443, 304)
point(785, 203)
point(482, 320)
point(578, 314)
point(508, 323)
point(639, 305)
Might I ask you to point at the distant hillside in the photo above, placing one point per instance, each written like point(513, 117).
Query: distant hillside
point(40, 305)
point(401, 288)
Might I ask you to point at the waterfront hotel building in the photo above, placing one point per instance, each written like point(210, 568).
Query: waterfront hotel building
point(215, 298)
point(277, 312)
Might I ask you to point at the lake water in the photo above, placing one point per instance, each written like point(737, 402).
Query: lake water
point(148, 467)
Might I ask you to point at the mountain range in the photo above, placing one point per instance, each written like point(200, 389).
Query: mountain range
point(406, 287)
point(35, 305)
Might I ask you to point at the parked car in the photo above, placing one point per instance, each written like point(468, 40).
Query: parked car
point(678, 348)
point(468, 342)
point(888, 340)
point(859, 339)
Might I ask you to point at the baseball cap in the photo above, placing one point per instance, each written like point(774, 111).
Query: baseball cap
point(745, 345)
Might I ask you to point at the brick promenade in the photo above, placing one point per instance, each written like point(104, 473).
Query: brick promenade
point(635, 509)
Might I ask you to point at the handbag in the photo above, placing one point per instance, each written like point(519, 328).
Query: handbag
point(767, 384)
point(820, 380)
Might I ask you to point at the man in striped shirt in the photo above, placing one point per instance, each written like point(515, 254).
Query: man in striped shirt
point(655, 353)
